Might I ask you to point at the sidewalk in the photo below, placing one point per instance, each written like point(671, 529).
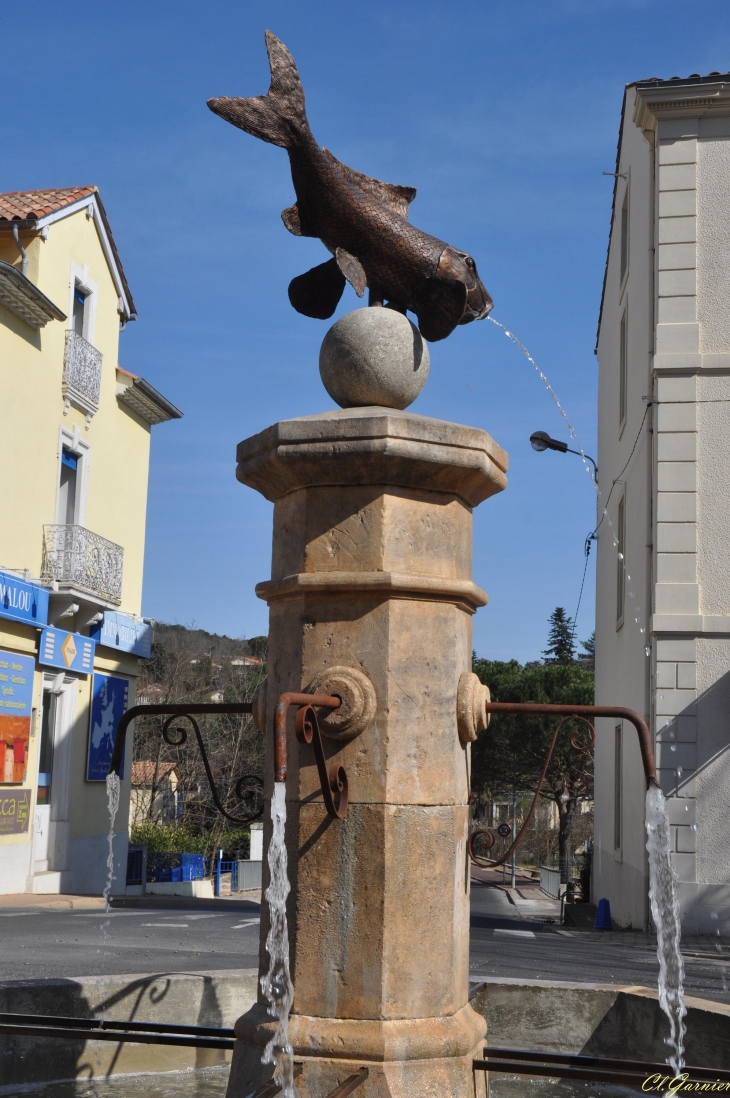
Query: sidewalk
point(527, 899)
point(50, 901)
point(55, 901)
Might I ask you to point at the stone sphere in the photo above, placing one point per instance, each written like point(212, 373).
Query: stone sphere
point(373, 356)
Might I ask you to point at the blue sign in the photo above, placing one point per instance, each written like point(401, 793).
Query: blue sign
point(70, 651)
point(108, 703)
point(22, 601)
point(124, 632)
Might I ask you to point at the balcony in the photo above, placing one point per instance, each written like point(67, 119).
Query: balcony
point(81, 560)
point(81, 374)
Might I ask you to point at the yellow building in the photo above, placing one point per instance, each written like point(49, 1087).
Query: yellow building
point(75, 451)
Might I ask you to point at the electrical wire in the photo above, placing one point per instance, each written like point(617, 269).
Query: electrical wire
point(591, 537)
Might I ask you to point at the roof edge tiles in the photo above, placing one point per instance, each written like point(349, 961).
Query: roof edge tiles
point(34, 210)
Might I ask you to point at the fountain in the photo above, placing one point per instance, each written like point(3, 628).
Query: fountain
point(370, 706)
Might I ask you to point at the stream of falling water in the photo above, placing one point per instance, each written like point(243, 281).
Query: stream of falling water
point(662, 874)
point(112, 796)
point(665, 913)
point(277, 983)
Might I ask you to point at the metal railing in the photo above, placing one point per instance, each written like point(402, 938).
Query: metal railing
point(81, 373)
point(550, 882)
point(73, 554)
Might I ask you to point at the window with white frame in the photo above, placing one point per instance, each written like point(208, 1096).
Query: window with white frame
point(623, 366)
point(625, 235)
point(73, 477)
point(620, 568)
point(82, 302)
point(617, 785)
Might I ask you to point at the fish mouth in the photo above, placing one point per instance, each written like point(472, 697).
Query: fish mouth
point(478, 304)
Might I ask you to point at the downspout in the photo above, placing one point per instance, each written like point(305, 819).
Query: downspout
point(21, 249)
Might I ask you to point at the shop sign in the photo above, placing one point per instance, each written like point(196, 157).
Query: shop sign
point(16, 710)
point(109, 698)
point(124, 632)
point(22, 601)
point(70, 651)
point(14, 811)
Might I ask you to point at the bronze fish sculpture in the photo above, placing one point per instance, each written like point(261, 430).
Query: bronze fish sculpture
point(361, 221)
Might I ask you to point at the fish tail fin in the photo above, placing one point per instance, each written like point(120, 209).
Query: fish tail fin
point(278, 117)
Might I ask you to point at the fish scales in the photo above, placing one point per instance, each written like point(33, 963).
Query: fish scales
point(362, 221)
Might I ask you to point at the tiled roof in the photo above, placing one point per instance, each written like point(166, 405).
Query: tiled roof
point(693, 78)
point(26, 205)
point(143, 773)
point(34, 205)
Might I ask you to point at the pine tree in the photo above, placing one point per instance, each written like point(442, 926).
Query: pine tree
point(587, 657)
point(561, 646)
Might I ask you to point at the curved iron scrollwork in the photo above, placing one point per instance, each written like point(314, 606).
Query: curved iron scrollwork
point(248, 787)
point(569, 713)
point(489, 835)
point(334, 780)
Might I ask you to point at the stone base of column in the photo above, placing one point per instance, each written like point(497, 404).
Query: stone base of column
point(406, 1057)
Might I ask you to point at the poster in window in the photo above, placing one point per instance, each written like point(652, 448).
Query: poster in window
point(109, 696)
point(16, 702)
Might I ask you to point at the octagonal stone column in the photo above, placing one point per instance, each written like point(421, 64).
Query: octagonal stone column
point(371, 569)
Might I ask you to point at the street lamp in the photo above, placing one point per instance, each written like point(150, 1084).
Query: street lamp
point(540, 440)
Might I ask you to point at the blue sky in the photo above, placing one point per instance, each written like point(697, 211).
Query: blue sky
point(502, 114)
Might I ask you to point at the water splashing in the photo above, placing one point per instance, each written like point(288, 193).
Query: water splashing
point(277, 984)
point(548, 386)
point(112, 796)
point(588, 467)
point(665, 913)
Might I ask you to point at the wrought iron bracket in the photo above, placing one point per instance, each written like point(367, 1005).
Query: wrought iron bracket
point(334, 780)
point(568, 713)
point(186, 711)
point(307, 729)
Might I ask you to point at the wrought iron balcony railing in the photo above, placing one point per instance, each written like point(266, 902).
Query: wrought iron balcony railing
point(75, 555)
point(81, 374)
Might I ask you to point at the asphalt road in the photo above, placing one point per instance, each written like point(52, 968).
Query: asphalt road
point(36, 943)
point(516, 948)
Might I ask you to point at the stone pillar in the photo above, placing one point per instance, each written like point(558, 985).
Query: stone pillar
point(371, 570)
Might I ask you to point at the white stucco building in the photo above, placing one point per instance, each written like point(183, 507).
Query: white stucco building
point(664, 337)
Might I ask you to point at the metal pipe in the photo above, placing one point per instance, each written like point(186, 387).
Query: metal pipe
point(21, 249)
point(74, 1033)
point(320, 701)
point(351, 1083)
point(53, 1020)
point(590, 1068)
point(642, 728)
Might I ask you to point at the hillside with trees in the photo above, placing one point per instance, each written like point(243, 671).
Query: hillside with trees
point(192, 665)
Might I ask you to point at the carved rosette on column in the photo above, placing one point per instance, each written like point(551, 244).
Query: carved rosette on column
point(371, 582)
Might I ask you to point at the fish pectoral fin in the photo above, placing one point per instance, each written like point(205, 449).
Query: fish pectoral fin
point(317, 292)
point(353, 270)
point(390, 194)
point(440, 308)
point(290, 217)
point(295, 221)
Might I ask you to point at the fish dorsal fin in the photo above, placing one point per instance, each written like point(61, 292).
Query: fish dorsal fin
point(390, 194)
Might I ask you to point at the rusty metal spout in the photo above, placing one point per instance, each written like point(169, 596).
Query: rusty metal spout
point(642, 728)
point(320, 701)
